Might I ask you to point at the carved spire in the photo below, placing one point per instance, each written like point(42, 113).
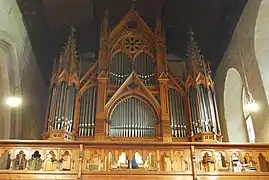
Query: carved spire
point(133, 5)
point(208, 68)
point(105, 24)
point(69, 57)
point(196, 60)
point(159, 26)
point(54, 70)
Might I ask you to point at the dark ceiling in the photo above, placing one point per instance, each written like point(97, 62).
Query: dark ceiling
point(47, 21)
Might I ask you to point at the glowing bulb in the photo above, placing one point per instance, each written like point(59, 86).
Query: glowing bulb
point(13, 101)
point(252, 106)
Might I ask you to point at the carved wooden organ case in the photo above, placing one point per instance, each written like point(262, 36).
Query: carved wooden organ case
point(130, 94)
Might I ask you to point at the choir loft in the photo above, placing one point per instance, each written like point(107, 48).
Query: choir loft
point(132, 92)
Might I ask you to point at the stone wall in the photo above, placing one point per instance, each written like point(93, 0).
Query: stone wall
point(241, 47)
point(24, 76)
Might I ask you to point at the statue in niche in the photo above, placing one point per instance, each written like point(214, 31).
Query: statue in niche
point(51, 162)
point(95, 162)
point(35, 163)
point(20, 161)
point(179, 164)
point(221, 163)
point(151, 162)
point(110, 162)
point(249, 164)
point(236, 164)
point(137, 161)
point(123, 161)
point(166, 164)
point(208, 163)
point(263, 163)
point(5, 160)
point(65, 161)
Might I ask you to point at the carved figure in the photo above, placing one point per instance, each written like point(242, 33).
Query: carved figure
point(249, 164)
point(5, 160)
point(51, 162)
point(263, 163)
point(123, 161)
point(208, 163)
point(65, 161)
point(137, 161)
point(35, 163)
point(166, 164)
point(20, 161)
point(151, 162)
point(236, 164)
point(221, 162)
point(179, 164)
point(95, 162)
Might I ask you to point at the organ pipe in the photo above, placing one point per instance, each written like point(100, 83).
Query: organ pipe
point(144, 67)
point(87, 112)
point(203, 112)
point(177, 113)
point(61, 111)
point(133, 118)
point(194, 109)
point(120, 68)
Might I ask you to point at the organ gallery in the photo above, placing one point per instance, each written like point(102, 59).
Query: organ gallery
point(134, 112)
point(130, 93)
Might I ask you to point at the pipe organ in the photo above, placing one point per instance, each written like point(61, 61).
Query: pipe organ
point(131, 94)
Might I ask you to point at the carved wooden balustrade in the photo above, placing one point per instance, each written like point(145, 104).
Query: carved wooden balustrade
point(115, 160)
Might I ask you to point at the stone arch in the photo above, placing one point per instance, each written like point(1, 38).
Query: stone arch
point(261, 43)
point(233, 111)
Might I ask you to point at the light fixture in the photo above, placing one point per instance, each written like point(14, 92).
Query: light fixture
point(251, 105)
point(13, 101)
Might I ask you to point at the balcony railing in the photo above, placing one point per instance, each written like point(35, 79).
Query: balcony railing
point(148, 160)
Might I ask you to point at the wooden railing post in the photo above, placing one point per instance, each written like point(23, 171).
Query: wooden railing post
point(193, 163)
point(80, 160)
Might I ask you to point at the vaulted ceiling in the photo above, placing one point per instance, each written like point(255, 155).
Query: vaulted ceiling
point(47, 22)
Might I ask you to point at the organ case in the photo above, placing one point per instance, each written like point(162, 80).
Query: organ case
point(130, 94)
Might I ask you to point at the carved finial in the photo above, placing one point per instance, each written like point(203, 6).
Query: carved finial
point(104, 27)
point(208, 67)
point(159, 26)
point(196, 60)
point(69, 56)
point(133, 5)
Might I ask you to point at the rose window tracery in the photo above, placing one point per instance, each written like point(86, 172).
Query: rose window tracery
point(132, 44)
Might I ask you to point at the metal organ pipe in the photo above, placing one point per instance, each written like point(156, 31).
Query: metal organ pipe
point(194, 110)
point(71, 104)
point(132, 118)
point(51, 114)
point(215, 110)
point(120, 68)
point(212, 110)
point(144, 67)
point(87, 112)
point(177, 113)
